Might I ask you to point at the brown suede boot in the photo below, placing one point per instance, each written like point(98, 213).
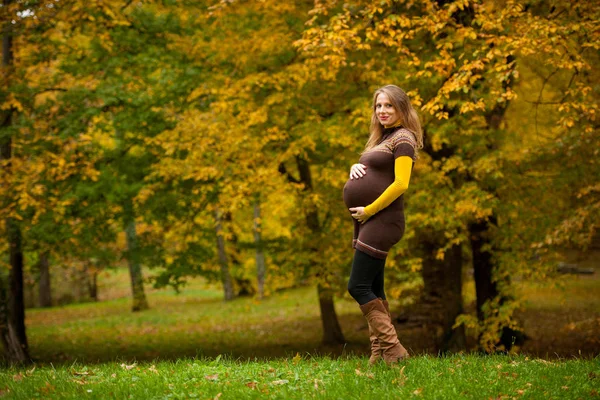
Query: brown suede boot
point(381, 324)
point(375, 348)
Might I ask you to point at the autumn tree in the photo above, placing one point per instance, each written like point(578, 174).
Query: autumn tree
point(460, 61)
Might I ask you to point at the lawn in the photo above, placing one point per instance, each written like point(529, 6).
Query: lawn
point(301, 377)
point(560, 320)
point(194, 345)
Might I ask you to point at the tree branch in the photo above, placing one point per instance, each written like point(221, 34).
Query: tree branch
point(283, 170)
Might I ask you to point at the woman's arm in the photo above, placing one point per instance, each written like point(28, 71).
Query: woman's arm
point(402, 171)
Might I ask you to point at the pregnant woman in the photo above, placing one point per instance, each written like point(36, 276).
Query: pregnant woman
point(373, 194)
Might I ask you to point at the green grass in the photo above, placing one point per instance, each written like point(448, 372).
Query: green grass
point(560, 321)
point(194, 345)
point(468, 377)
point(194, 323)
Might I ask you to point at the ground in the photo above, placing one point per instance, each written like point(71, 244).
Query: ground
point(560, 319)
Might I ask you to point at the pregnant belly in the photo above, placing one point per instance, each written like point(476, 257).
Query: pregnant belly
point(363, 191)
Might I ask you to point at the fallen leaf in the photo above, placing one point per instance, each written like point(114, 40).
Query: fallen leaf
point(114, 375)
point(48, 388)
point(18, 377)
point(520, 391)
point(297, 358)
point(81, 373)
point(399, 381)
point(418, 392)
point(565, 387)
point(128, 367)
point(360, 373)
point(280, 382)
point(212, 377)
point(251, 385)
point(218, 395)
point(153, 369)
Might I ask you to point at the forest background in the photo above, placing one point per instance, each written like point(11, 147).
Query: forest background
point(213, 139)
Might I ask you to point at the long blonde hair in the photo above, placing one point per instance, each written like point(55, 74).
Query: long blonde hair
point(409, 119)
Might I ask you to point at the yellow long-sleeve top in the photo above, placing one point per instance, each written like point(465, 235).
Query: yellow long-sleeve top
point(402, 171)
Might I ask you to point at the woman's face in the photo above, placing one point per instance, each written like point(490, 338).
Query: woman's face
point(385, 111)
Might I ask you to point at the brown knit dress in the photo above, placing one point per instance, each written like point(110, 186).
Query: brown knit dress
point(384, 229)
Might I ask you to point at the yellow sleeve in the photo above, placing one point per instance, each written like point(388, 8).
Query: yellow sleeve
point(402, 170)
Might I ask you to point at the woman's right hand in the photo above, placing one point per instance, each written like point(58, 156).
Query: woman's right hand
point(358, 171)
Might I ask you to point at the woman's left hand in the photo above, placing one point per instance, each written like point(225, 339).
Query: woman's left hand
point(358, 213)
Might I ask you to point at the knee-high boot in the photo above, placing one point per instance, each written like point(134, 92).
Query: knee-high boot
point(375, 347)
point(382, 329)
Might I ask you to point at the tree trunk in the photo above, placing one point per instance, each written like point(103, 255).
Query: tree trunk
point(12, 305)
point(486, 286)
point(93, 283)
point(482, 247)
point(332, 331)
point(14, 350)
point(45, 292)
point(260, 256)
point(225, 275)
point(135, 269)
point(442, 291)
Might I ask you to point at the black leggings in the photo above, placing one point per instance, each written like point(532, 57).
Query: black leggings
point(366, 278)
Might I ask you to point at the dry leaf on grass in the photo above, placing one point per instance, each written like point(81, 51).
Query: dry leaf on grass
point(81, 373)
point(368, 374)
point(251, 385)
point(280, 382)
point(128, 367)
point(212, 377)
point(48, 388)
